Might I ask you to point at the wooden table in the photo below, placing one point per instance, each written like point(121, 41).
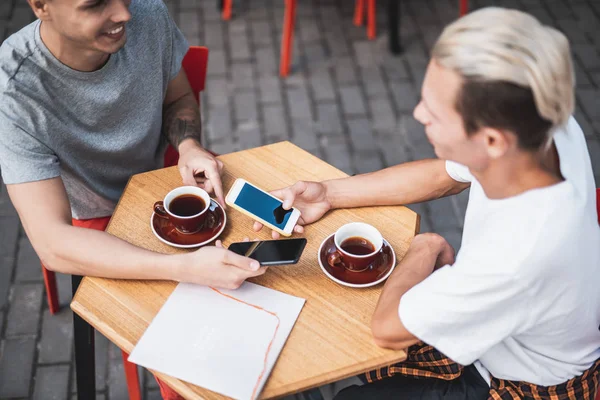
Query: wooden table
point(331, 339)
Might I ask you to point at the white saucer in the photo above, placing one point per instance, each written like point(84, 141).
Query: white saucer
point(357, 285)
point(196, 239)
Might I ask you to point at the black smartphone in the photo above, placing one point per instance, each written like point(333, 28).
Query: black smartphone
point(271, 252)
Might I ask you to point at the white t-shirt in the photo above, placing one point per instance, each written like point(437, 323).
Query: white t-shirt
point(522, 300)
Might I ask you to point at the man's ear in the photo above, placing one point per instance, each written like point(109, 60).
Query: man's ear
point(40, 9)
point(497, 142)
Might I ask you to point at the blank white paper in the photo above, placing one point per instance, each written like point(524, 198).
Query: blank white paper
point(210, 340)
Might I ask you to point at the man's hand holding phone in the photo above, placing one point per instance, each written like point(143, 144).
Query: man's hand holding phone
point(310, 198)
point(218, 267)
point(262, 207)
point(271, 252)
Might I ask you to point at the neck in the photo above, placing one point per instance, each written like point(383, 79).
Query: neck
point(69, 53)
point(519, 172)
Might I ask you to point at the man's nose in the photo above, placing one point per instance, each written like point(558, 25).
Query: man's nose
point(120, 12)
point(419, 114)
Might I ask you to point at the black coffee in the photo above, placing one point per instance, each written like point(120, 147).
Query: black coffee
point(357, 245)
point(187, 205)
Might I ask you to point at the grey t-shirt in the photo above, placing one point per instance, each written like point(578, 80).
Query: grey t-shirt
point(93, 129)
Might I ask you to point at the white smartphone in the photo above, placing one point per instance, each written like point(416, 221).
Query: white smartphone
point(262, 207)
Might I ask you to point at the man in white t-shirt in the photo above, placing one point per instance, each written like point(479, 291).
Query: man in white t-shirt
point(520, 302)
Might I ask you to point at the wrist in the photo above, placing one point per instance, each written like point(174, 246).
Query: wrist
point(176, 267)
point(330, 194)
point(189, 143)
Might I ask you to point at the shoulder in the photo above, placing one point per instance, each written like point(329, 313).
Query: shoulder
point(570, 141)
point(572, 128)
point(570, 138)
point(14, 53)
point(150, 26)
point(575, 162)
point(19, 78)
point(145, 10)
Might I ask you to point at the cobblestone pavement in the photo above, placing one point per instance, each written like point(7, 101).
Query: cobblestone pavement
point(347, 101)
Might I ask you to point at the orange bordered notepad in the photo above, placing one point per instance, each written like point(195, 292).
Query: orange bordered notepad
point(226, 341)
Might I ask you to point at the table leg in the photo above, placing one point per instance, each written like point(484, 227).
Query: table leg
point(85, 367)
point(220, 5)
point(394, 26)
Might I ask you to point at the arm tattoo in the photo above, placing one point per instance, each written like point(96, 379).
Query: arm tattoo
point(181, 120)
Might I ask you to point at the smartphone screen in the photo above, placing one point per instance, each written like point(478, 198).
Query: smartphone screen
point(263, 206)
point(271, 252)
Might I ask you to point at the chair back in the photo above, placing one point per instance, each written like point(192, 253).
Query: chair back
point(195, 64)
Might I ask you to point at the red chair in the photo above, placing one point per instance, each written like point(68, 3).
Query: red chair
point(287, 39)
point(359, 15)
point(226, 12)
point(290, 16)
point(194, 64)
point(289, 19)
point(371, 14)
point(464, 7)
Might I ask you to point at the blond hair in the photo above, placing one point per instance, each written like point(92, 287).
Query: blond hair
point(501, 45)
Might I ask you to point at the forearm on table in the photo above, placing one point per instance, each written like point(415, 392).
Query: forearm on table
point(388, 330)
point(182, 120)
point(88, 252)
point(407, 183)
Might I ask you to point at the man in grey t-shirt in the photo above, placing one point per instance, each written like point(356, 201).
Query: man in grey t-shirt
point(91, 93)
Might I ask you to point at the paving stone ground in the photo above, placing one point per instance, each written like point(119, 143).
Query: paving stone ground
point(347, 101)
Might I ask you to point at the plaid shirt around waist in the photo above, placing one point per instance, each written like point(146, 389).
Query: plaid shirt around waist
point(424, 361)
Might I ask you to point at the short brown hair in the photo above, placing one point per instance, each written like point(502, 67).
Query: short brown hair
point(504, 106)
